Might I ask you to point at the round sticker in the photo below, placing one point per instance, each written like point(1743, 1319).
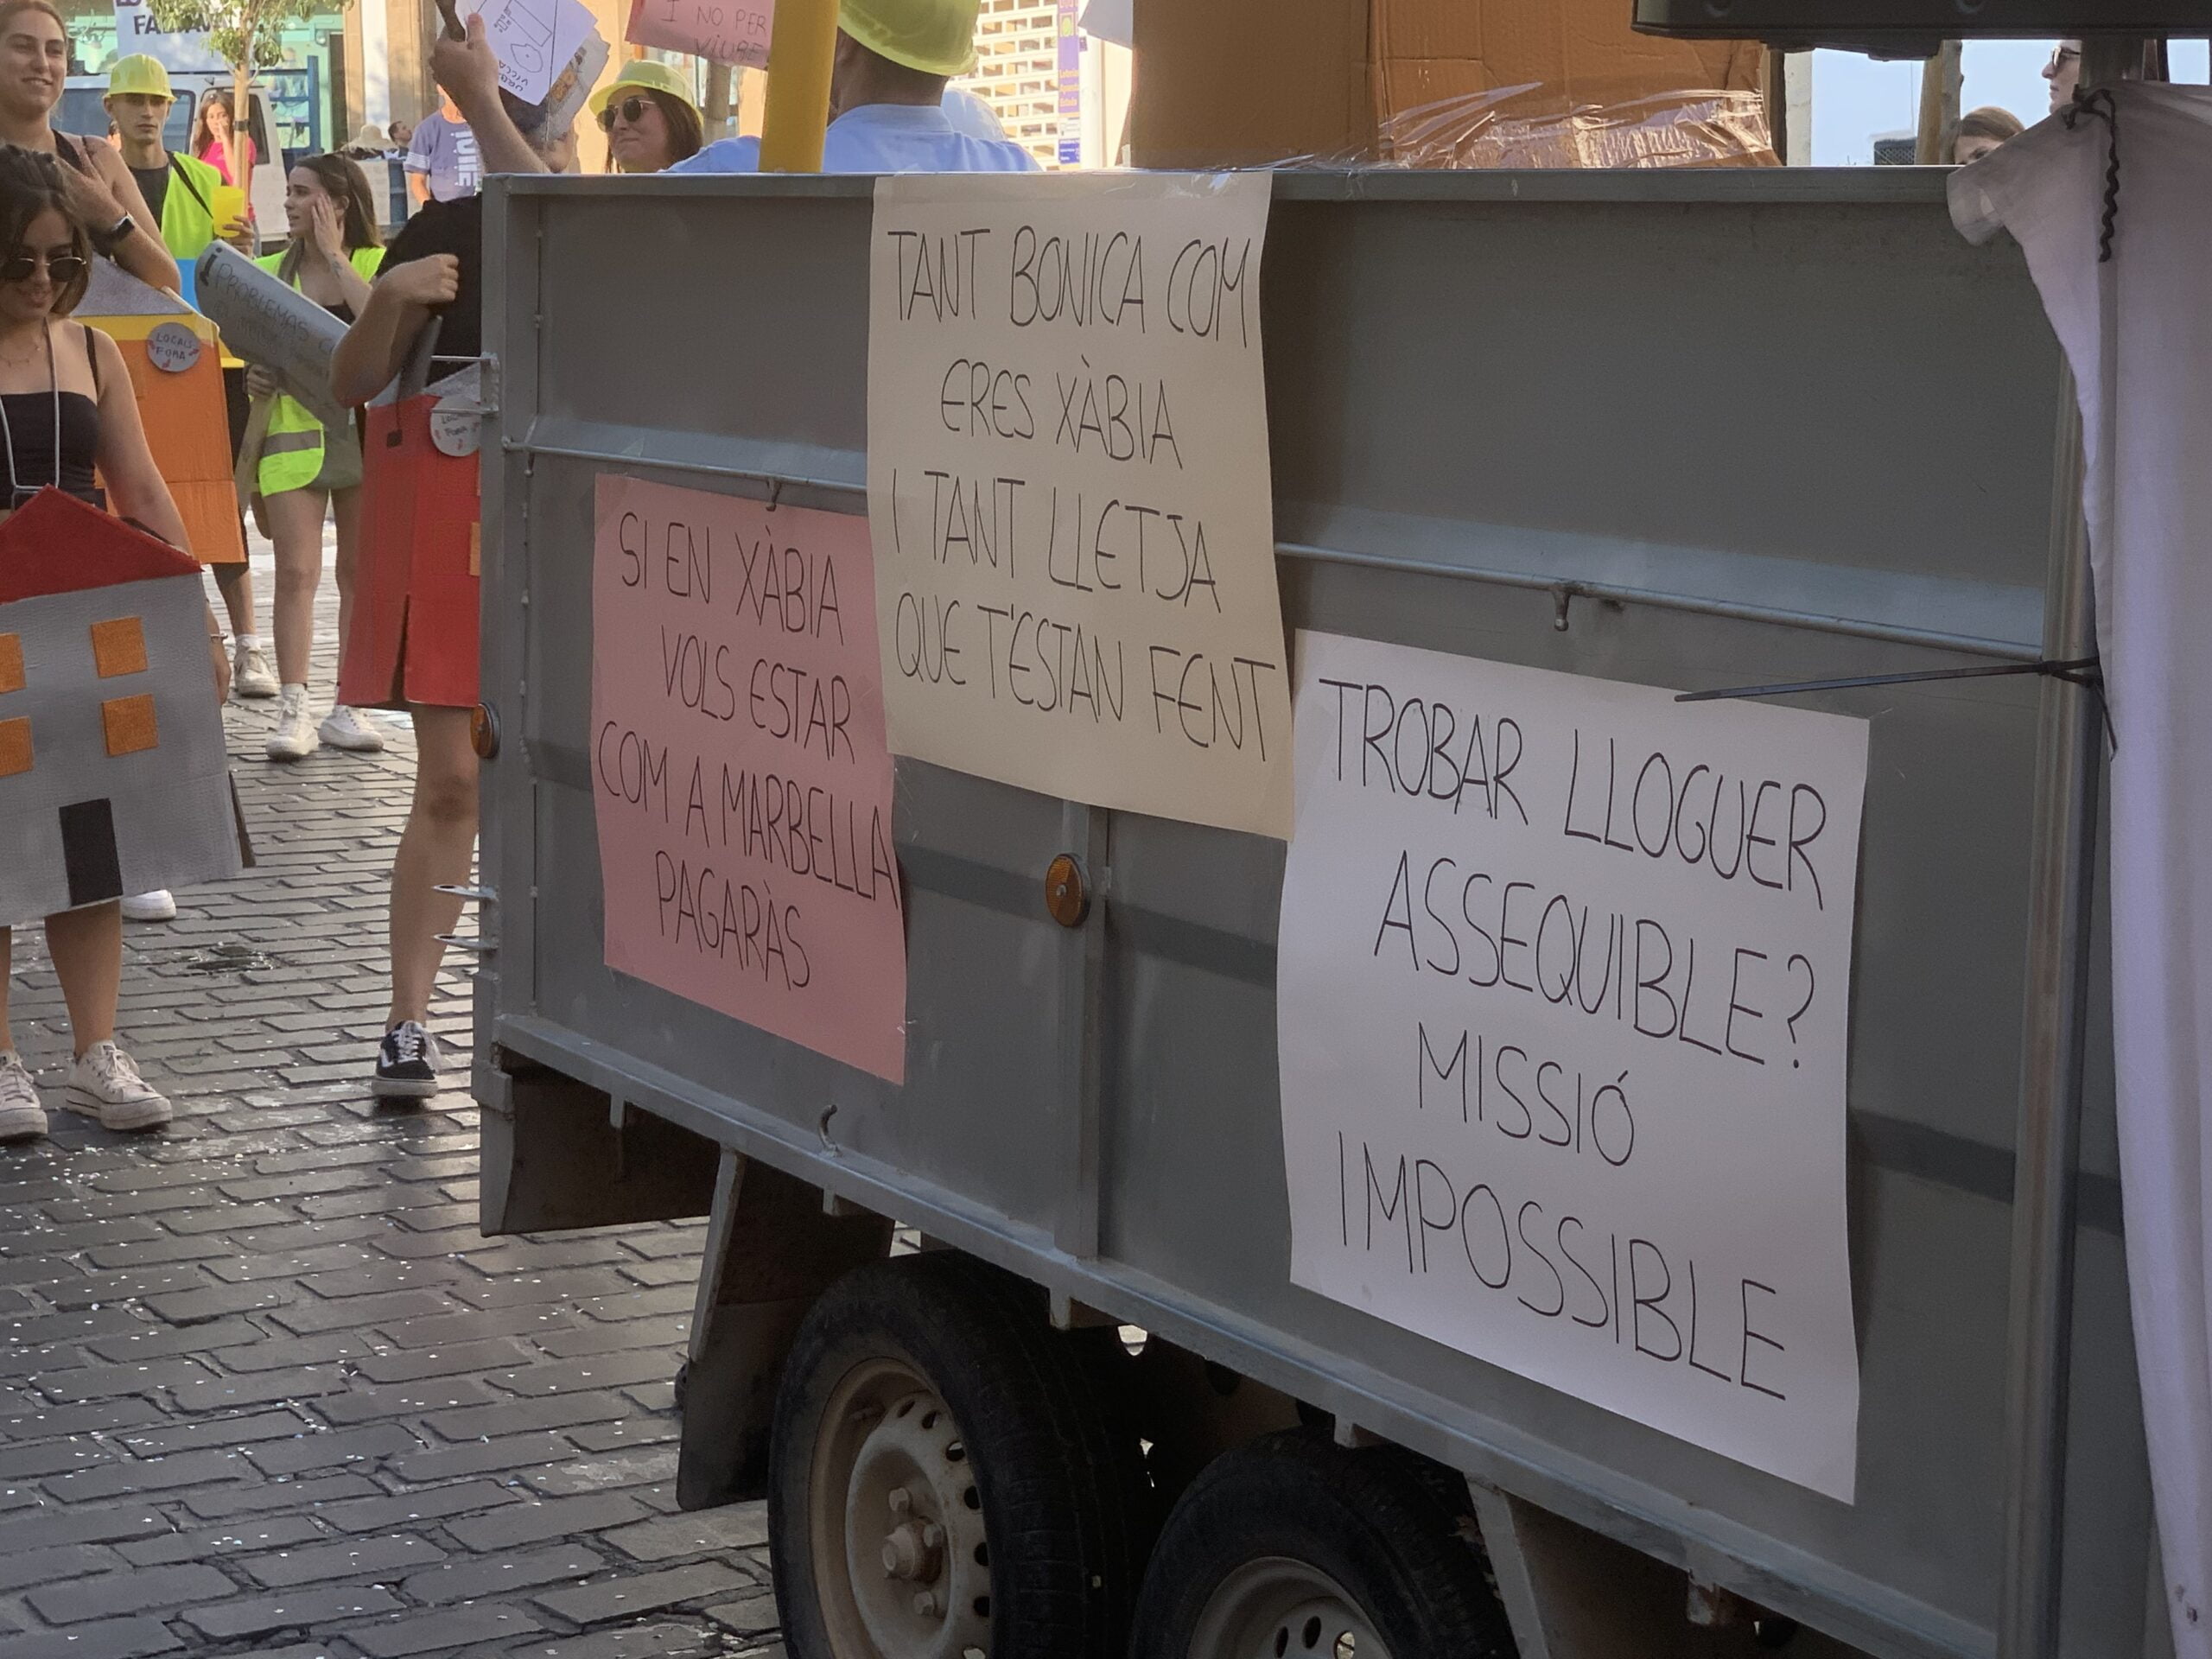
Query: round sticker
point(453, 426)
point(172, 347)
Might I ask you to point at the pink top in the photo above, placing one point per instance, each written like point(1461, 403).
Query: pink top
point(217, 157)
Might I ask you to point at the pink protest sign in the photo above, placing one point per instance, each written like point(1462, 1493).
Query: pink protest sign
point(739, 770)
point(715, 30)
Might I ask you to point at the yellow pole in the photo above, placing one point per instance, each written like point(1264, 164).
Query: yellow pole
point(801, 43)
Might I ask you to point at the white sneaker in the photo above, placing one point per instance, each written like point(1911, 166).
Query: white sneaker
point(347, 728)
point(295, 737)
point(155, 907)
point(105, 1084)
point(249, 673)
point(21, 1116)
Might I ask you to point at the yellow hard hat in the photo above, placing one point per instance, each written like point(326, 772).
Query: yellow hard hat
point(645, 75)
point(936, 37)
point(138, 73)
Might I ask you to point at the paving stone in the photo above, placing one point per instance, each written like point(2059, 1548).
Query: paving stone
point(111, 1638)
point(229, 1393)
point(741, 1526)
point(512, 1416)
point(412, 1365)
point(52, 1458)
point(515, 1290)
point(479, 1457)
point(364, 1404)
point(152, 1341)
point(246, 1537)
point(353, 1559)
point(748, 1615)
point(213, 1301)
point(578, 1375)
point(517, 1524)
point(81, 1326)
point(309, 1318)
point(22, 1568)
point(215, 1431)
point(641, 1641)
point(106, 1382)
point(383, 1272)
point(367, 1445)
point(431, 1503)
point(296, 1496)
point(615, 1338)
point(306, 1610)
point(132, 1591)
point(646, 1593)
point(109, 1289)
point(640, 1468)
point(275, 1353)
point(444, 1631)
point(476, 1326)
point(601, 1437)
point(135, 1476)
point(89, 1526)
point(503, 1574)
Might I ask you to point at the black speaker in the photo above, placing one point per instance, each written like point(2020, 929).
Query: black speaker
point(1916, 27)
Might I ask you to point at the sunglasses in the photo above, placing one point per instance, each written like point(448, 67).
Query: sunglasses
point(64, 268)
point(632, 109)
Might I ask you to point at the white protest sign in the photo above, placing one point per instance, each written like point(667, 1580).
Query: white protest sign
point(1563, 1011)
point(533, 40)
point(1068, 488)
point(136, 32)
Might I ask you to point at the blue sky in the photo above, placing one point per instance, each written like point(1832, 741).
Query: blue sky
point(1855, 99)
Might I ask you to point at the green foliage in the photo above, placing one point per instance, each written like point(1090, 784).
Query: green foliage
point(246, 33)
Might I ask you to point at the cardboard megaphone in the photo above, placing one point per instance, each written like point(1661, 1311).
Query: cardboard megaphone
point(274, 327)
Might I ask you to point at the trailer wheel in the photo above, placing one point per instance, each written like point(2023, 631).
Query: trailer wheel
point(946, 1483)
point(1291, 1548)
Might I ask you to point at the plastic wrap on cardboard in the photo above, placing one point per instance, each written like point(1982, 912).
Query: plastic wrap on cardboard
point(1532, 126)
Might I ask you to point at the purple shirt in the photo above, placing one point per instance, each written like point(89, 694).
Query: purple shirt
point(443, 150)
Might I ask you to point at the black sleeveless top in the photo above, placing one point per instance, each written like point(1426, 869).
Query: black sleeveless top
point(31, 459)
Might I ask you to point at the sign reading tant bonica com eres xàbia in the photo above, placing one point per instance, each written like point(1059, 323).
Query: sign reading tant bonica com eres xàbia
point(1563, 1011)
point(1069, 492)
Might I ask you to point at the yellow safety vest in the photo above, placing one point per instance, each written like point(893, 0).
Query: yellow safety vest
point(187, 208)
point(291, 452)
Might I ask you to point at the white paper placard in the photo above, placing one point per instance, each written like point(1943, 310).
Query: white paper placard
point(1069, 492)
point(1563, 1010)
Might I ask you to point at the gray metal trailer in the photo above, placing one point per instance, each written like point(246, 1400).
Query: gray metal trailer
point(1689, 430)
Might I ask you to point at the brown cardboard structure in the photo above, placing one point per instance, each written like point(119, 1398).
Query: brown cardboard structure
point(1243, 83)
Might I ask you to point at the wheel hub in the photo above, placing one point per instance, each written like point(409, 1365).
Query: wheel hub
point(1277, 1608)
point(901, 1523)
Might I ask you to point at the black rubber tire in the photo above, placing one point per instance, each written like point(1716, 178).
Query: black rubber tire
point(1377, 1520)
point(1060, 1481)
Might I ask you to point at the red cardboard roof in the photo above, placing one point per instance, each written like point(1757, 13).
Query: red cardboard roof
point(58, 545)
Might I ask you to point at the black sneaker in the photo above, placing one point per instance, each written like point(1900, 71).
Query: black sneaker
point(407, 1064)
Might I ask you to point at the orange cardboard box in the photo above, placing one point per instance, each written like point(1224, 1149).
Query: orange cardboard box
point(1249, 82)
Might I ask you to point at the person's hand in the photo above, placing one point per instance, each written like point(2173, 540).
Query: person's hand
point(324, 234)
point(92, 202)
point(221, 659)
point(259, 383)
point(430, 282)
point(468, 70)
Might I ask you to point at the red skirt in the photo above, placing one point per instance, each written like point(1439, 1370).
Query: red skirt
point(413, 638)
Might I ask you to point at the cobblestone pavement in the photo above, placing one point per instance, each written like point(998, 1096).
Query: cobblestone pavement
point(264, 1388)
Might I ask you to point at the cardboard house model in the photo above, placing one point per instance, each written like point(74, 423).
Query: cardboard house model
point(113, 777)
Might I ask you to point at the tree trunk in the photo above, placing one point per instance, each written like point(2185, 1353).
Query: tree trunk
point(241, 157)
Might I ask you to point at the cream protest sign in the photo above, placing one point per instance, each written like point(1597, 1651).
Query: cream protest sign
point(739, 774)
point(1563, 1013)
point(1068, 488)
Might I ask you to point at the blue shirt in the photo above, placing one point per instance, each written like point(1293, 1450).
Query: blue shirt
point(881, 138)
